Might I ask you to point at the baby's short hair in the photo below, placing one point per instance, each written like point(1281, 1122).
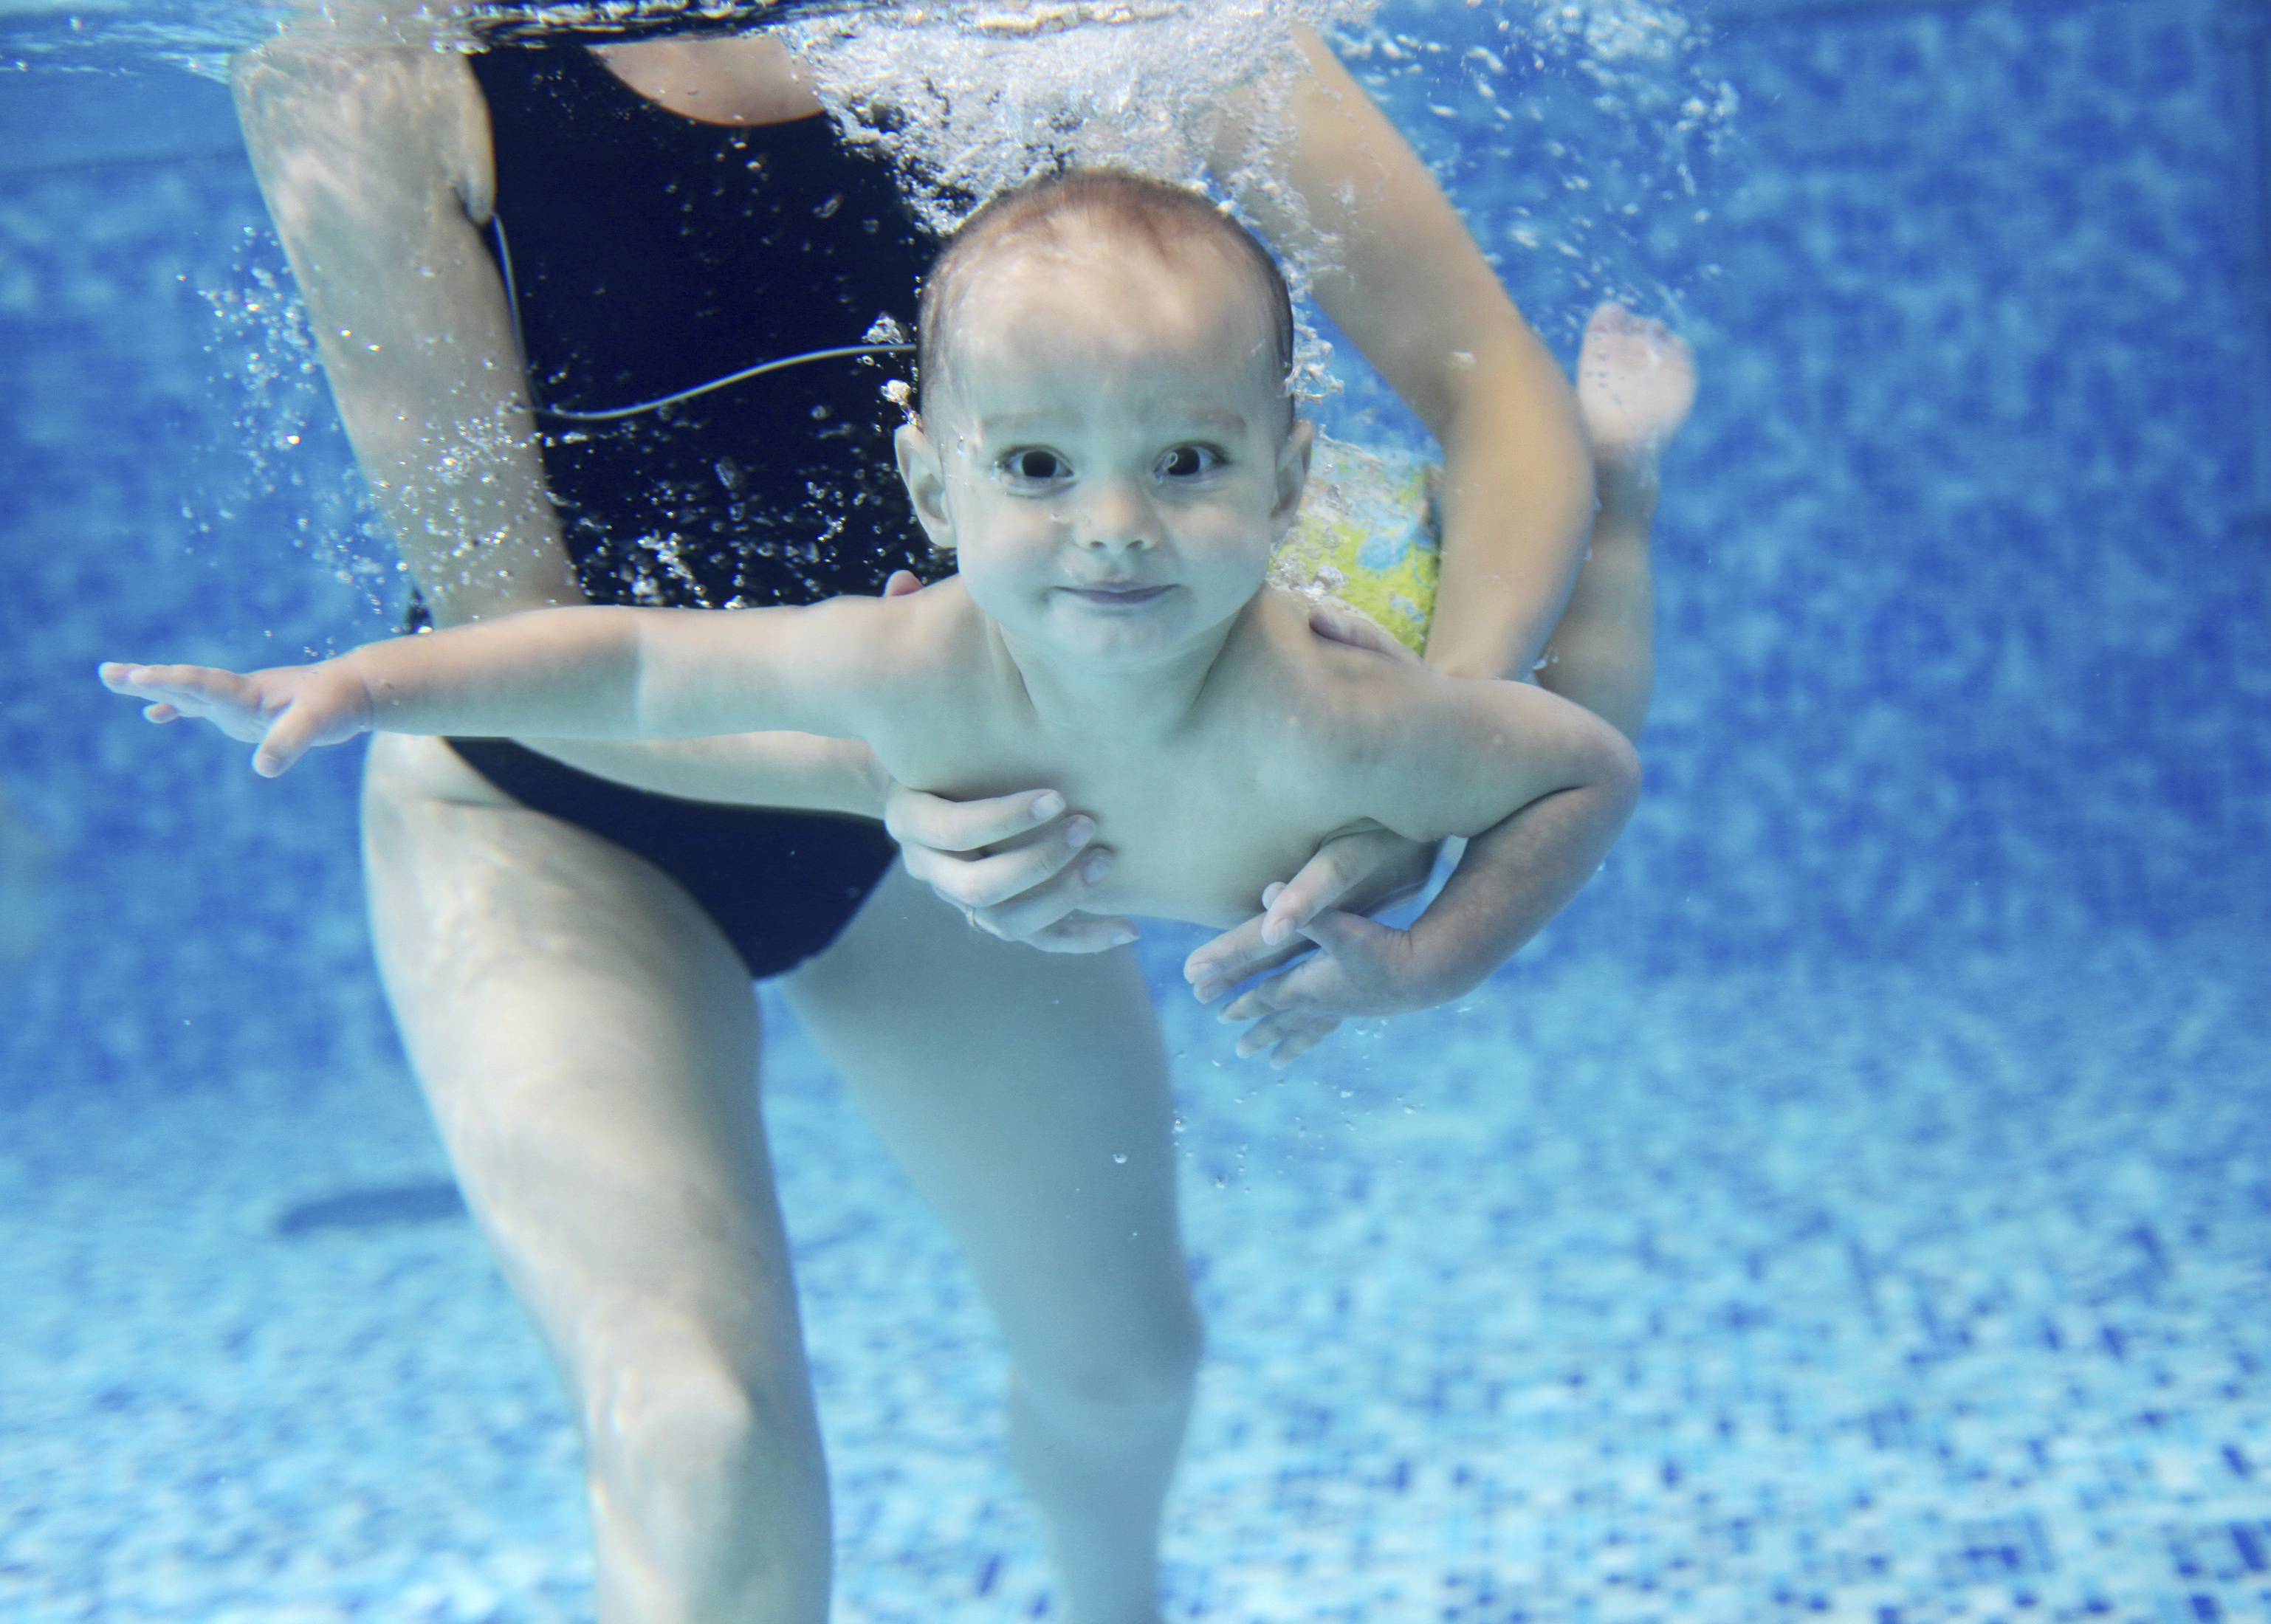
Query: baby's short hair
point(1112, 202)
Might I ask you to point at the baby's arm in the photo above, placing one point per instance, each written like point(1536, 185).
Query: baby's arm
point(569, 674)
point(1541, 786)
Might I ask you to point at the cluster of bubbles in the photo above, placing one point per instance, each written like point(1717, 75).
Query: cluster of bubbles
point(971, 99)
point(1583, 140)
point(292, 473)
point(1578, 137)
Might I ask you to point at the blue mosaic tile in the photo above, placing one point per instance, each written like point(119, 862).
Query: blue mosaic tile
point(1856, 1208)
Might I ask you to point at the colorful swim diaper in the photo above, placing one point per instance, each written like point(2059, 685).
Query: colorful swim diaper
point(1369, 536)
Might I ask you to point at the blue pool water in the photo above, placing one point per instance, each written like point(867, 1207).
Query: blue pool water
point(1858, 1206)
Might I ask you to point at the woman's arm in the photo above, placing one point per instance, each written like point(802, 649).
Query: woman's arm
point(376, 165)
point(1401, 275)
point(1399, 272)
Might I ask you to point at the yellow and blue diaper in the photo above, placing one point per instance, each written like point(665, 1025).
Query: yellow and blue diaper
point(1369, 536)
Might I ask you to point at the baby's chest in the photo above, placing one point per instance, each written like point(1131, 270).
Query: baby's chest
point(1196, 831)
point(1196, 850)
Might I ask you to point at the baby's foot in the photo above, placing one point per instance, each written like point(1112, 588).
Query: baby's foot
point(1635, 383)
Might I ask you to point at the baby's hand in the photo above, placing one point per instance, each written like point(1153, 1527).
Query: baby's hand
point(288, 709)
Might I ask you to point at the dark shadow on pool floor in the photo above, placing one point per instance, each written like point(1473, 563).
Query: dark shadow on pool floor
point(380, 1206)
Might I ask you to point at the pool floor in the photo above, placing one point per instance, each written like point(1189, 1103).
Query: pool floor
point(1895, 1294)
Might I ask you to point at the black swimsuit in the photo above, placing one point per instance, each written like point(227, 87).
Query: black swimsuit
point(650, 253)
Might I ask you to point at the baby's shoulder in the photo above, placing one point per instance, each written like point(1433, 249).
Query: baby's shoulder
point(929, 657)
point(1346, 700)
point(923, 634)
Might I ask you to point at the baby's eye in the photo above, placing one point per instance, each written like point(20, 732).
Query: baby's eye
point(1033, 465)
point(1188, 462)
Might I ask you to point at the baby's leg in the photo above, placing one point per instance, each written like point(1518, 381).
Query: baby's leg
point(1635, 382)
point(1026, 1096)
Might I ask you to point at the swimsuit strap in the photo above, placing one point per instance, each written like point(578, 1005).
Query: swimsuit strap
point(842, 352)
point(556, 22)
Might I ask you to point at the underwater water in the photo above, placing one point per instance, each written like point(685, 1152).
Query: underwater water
point(1858, 1206)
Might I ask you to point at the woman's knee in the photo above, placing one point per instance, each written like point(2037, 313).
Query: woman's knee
point(1153, 1366)
point(674, 1419)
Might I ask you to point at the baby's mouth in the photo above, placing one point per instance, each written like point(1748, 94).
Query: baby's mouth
point(1119, 593)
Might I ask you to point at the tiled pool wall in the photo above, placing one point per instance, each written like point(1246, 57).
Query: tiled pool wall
point(1959, 645)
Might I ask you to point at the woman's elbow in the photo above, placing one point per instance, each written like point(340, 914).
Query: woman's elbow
point(1617, 773)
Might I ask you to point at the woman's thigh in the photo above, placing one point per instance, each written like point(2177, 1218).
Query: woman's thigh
point(588, 1045)
point(1026, 1094)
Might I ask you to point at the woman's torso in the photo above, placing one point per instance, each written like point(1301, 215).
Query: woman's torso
point(649, 252)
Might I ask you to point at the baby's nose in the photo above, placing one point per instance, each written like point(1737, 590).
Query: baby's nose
point(1117, 515)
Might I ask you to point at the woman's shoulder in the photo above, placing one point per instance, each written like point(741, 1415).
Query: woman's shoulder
point(356, 105)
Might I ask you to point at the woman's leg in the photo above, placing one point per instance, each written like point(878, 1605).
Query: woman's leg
point(1635, 383)
point(588, 1045)
point(1026, 1095)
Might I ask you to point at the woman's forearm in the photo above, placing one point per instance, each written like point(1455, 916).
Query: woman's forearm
point(1396, 267)
point(1517, 507)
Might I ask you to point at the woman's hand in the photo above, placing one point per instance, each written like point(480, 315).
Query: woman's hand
point(1017, 865)
point(288, 709)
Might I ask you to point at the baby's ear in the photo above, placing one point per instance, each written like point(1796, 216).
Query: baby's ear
point(1292, 474)
point(923, 471)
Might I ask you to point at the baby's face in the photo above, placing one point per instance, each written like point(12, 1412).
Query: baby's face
point(1111, 450)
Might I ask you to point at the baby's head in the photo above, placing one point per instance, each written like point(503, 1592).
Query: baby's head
point(1121, 214)
point(1106, 435)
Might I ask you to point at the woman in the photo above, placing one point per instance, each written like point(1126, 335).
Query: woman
point(570, 959)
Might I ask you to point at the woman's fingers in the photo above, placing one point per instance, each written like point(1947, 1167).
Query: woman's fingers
point(1029, 887)
point(1301, 1040)
point(1364, 871)
point(1019, 911)
point(1032, 894)
point(994, 877)
point(1359, 966)
point(1324, 880)
point(1328, 619)
point(902, 583)
point(1281, 1018)
point(1255, 1003)
point(915, 819)
point(1356, 941)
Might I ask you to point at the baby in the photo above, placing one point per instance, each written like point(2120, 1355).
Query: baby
point(1106, 442)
